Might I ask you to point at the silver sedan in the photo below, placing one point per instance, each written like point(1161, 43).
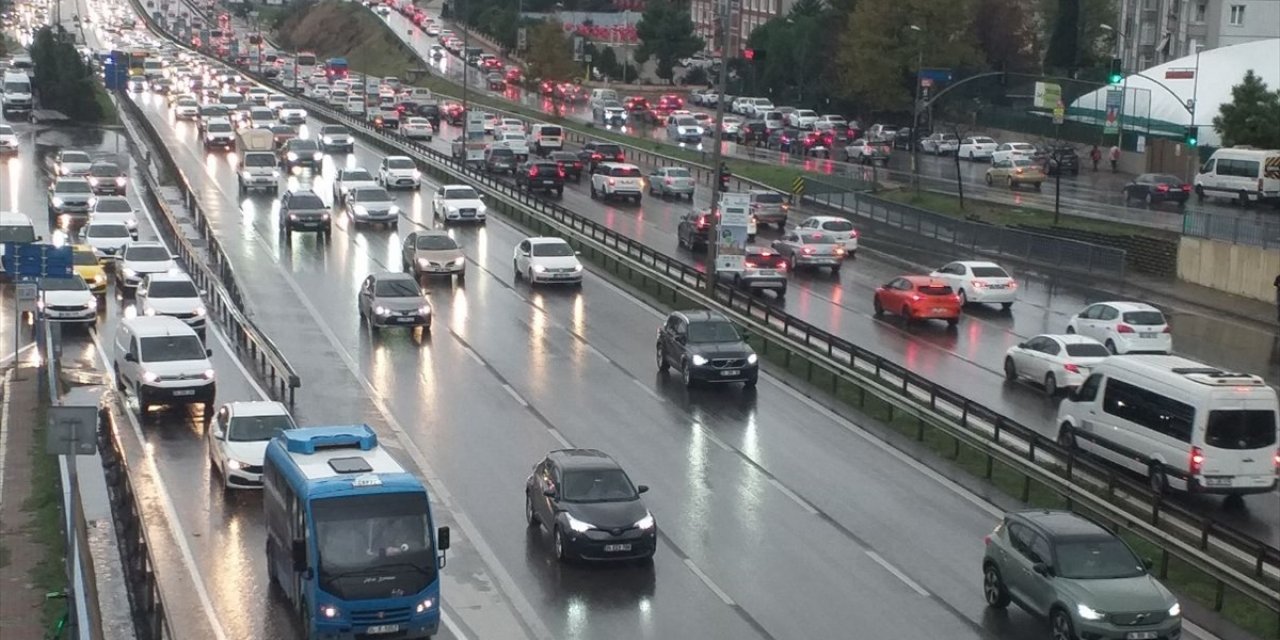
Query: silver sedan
point(671, 181)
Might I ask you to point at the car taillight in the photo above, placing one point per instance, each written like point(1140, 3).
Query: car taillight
point(577, 165)
point(781, 266)
point(620, 157)
point(1162, 188)
point(560, 171)
point(1186, 188)
point(853, 234)
point(1196, 462)
point(533, 173)
point(1019, 171)
point(751, 264)
point(1167, 329)
point(702, 223)
point(596, 156)
point(1277, 461)
point(979, 284)
point(1071, 367)
point(986, 540)
point(1124, 328)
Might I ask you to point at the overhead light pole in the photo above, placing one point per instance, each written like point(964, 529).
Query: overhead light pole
point(717, 140)
point(915, 111)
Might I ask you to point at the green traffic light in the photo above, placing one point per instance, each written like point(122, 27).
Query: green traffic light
point(1115, 78)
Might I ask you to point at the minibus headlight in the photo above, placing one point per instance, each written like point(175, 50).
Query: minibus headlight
point(426, 605)
point(328, 611)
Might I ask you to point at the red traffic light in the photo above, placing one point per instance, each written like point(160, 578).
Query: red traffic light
point(749, 54)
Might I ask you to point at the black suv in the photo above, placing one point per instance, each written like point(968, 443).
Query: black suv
point(570, 162)
point(301, 152)
point(499, 160)
point(1065, 157)
point(584, 499)
point(541, 175)
point(304, 210)
point(595, 153)
point(694, 230)
point(705, 347)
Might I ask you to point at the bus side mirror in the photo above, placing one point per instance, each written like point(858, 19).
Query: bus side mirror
point(299, 556)
point(442, 538)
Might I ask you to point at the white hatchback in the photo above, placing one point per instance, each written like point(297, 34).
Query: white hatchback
point(239, 437)
point(1124, 327)
point(547, 260)
point(981, 282)
point(839, 228)
point(1055, 361)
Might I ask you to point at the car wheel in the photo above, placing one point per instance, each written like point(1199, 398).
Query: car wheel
point(530, 276)
point(1005, 306)
point(988, 179)
point(686, 374)
point(119, 381)
point(875, 304)
point(964, 298)
point(791, 263)
point(1071, 330)
point(663, 365)
point(1050, 385)
point(1066, 437)
point(530, 517)
point(1009, 182)
point(750, 383)
point(906, 314)
point(970, 156)
point(1157, 481)
point(593, 190)
point(557, 542)
point(993, 589)
point(1111, 346)
point(1151, 200)
point(1060, 627)
point(1010, 370)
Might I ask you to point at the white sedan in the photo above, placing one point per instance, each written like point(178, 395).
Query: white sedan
point(1054, 361)
point(416, 128)
point(978, 147)
point(238, 440)
point(547, 260)
point(981, 282)
point(1008, 151)
point(839, 228)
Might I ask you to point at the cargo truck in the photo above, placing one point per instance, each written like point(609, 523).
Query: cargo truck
point(258, 170)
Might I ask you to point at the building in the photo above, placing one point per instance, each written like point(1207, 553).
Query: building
point(1157, 31)
point(746, 17)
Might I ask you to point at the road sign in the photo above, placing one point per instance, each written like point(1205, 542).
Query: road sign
point(1115, 98)
point(35, 260)
point(578, 43)
point(27, 292)
point(73, 430)
point(926, 82)
point(1047, 95)
point(1059, 112)
point(735, 214)
point(522, 39)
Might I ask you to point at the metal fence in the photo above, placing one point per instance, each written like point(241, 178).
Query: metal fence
point(1260, 229)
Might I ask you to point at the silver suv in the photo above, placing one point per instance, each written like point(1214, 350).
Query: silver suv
point(1084, 579)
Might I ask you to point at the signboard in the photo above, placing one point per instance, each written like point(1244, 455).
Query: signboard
point(1048, 95)
point(522, 39)
point(73, 430)
point(1179, 74)
point(1141, 144)
point(731, 244)
point(1059, 112)
point(1114, 99)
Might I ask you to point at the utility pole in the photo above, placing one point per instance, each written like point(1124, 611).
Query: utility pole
point(466, 68)
point(718, 139)
point(915, 114)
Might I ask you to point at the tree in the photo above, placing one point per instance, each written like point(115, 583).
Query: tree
point(1006, 35)
point(1064, 44)
point(64, 82)
point(550, 55)
point(1252, 117)
point(666, 32)
point(1094, 45)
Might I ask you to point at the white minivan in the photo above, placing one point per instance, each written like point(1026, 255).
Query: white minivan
point(163, 362)
point(1156, 414)
point(1243, 174)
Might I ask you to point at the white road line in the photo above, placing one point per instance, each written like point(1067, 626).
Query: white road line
point(4, 431)
point(511, 391)
point(647, 389)
point(897, 573)
point(596, 352)
point(804, 504)
point(564, 442)
point(166, 503)
point(1199, 632)
point(724, 597)
point(475, 356)
point(27, 347)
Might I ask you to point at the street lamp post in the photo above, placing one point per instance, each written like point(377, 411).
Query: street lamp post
point(915, 114)
point(718, 140)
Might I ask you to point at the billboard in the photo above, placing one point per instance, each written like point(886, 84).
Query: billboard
point(1048, 95)
point(731, 241)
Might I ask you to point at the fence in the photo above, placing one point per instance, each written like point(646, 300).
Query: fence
point(1241, 229)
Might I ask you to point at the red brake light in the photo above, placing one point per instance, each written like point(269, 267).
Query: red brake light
point(560, 170)
point(1277, 461)
point(533, 173)
point(1196, 463)
point(1124, 328)
point(1072, 368)
point(612, 182)
point(1167, 329)
point(980, 284)
point(597, 156)
point(986, 540)
point(577, 164)
point(1186, 188)
point(1162, 188)
point(751, 264)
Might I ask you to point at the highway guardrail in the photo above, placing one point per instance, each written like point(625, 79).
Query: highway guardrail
point(1236, 562)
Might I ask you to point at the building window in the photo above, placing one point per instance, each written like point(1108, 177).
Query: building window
point(1237, 15)
point(1200, 10)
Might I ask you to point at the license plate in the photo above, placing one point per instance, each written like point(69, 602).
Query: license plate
point(1147, 335)
point(995, 286)
point(406, 320)
point(562, 276)
point(731, 372)
point(1141, 635)
point(392, 628)
point(1217, 481)
point(550, 182)
point(184, 392)
point(614, 548)
point(939, 310)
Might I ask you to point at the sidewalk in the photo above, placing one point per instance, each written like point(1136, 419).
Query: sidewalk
point(25, 541)
point(1238, 307)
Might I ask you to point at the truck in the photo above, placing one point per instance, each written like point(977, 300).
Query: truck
point(336, 68)
point(470, 149)
point(258, 163)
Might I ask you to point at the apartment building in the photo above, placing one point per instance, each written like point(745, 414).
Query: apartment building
point(1156, 31)
point(745, 16)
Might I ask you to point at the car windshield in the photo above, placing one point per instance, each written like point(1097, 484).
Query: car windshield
point(1144, 318)
point(333, 130)
point(302, 145)
point(6, 130)
point(1087, 350)
point(1022, 163)
point(989, 272)
point(372, 195)
point(104, 170)
point(466, 193)
point(306, 201)
point(374, 546)
point(219, 127)
point(113, 205)
point(1241, 429)
point(400, 163)
point(259, 160)
point(552, 250)
point(356, 175)
point(712, 331)
point(1096, 559)
point(768, 198)
point(18, 233)
point(837, 225)
point(68, 186)
point(818, 238)
point(146, 254)
point(171, 348)
point(75, 157)
point(107, 231)
point(596, 485)
point(61, 284)
point(501, 153)
point(396, 288)
point(436, 242)
point(84, 258)
point(173, 289)
point(934, 290)
point(257, 428)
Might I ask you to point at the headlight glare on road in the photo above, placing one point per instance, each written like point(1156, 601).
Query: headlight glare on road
point(578, 525)
point(752, 359)
point(1088, 613)
point(698, 360)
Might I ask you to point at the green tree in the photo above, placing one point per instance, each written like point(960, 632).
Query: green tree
point(1094, 44)
point(550, 55)
point(1252, 117)
point(1064, 43)
point(606, 60)
point(64, 82)
point(666, 32)
point(1006, 35)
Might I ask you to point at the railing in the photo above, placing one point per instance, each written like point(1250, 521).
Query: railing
point(1258, 231)
point(1179, 533)
point(215, 276)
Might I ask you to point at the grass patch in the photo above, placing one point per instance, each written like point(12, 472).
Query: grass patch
point(109, 114)
point(1008, 215)
point(45, 506)
point(348, 30)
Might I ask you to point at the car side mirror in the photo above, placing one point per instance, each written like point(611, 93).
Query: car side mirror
point(39, 238)
point(1022, 345)
point(1042, 569)
point(682, 339)
point(482, 196)
point(219, 434)
point(442, 538)
point(129, 357)
point(208, 353)
point(299, 553)
point(644, 488)
point(550, 493)
point(1146, 562)
point(577, 253)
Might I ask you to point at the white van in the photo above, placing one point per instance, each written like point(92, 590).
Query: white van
point(545, 138)
point(17, 228)
point(17, 93)
point(600, 96)
point(1244, 174)
point(1159, 413)
point(162, 361)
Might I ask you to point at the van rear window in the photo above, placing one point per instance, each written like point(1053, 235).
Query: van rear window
point(550, 131)
point(1144, 318)
point(768, 198)
point(1087, 350)
point(1241, 429)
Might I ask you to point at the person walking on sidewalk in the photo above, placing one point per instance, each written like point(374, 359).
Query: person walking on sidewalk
point(1115, 157)
point(1096, 156)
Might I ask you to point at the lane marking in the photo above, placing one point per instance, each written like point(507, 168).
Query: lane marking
point(654, 394)
point(897, 573)
point(25, 348)
point(724, 597)
point(511, 391)
point(1199, 632)
point(715, 439)
point(4, 431)
point(564, 442)
point(804, 504)
point(475, 356)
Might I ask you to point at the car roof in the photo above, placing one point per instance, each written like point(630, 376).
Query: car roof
point(701, 315)
point(977, 263)
point(177, 276)
point(1063, 524)
point(150, 326)
point(253, 408)
point(393, 275)
point(11, 218)
point(1128, 306)
point(619, 165)
point(547, 240)
point(582, 459)
point(1068, 338)
point(71, 179)
point(925, 281)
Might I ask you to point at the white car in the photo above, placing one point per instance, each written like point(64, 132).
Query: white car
point(338, 98)
point(835, 120)
point(239, 436)
point(293, 113)
point(108, 239)
point(172, 294)
point(684, 130)
point(458, 203)
point(516, 141)
point(140, 259)
point(940, 143)
point(258, 95)
point(731, 126)
point(1124, 327)
point(617, 180)
point(416, 128)
point(67, 300)
point(839, 228)
point(355, 105)
point(980, 282)
point(186, 109)
point(8, 139)
point(348, 179)
point(978, 147)
point(220, 134)
point(512, 124)
point(399, 172)
point(803, 118)
point(543, 260)
point(276, 101)
point(1008, 151)
point(115, 209)
point(1054, 361)
point(72, 163)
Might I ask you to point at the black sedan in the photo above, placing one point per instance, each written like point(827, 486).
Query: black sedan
point(705, 347)
point(1155, 188)
point(584, 499)
point(301, 152)
point(107, 179)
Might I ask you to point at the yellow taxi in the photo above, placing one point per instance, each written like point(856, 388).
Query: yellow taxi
point(86, 265)
point(1015, 172)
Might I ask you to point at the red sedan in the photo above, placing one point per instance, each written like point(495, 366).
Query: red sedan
point(918, 298)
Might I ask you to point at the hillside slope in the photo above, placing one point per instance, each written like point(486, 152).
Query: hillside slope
point(348, 30)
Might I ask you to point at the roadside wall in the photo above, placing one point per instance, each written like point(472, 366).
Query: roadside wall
point(1235, 268)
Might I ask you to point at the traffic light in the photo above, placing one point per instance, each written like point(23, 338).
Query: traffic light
point(749, 54)
point(1193, 136)
point(1115, 76)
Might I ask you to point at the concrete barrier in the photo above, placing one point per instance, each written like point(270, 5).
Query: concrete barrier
point(1241, 269)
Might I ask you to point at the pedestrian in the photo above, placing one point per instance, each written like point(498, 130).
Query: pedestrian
point(1115, 157)
point(1277, 283)
point(1096, 156)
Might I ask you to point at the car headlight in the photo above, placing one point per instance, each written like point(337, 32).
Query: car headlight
point(275, 173)
point(578, 525)
point(291, 156)
point(394, 210)
point(327, 139)
point(317, 155)
point(417, 175)
point(577, 268)
point(698, 360)
point(381, 310)
point(57, 202)
point(200, 311)
point(208, 374)
point(646, 522)
point(425, 309)
point(1175, 610)
point(362, 210)
point(459, 261)
point(752, 359)
point(235, 465)
point(149, 312)
point(99, 278)
point(93, 181)
point(149, 376)
point(425, 606)
point(537, 268)
point(1088, 613)
point(120, 181)
point(329, 611)
point(129, 273)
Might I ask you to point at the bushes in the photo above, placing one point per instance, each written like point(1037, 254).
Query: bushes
point(63, 80)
